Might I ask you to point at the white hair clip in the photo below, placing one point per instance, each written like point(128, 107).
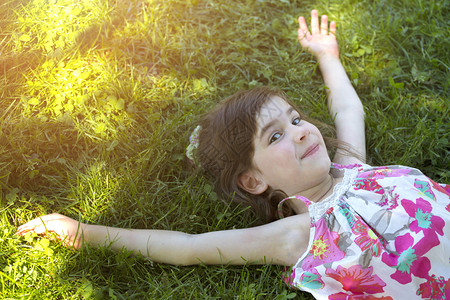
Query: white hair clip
point(191, 150)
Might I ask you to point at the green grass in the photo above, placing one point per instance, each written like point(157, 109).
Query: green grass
point(98, 99)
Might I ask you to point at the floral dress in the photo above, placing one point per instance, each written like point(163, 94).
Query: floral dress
point(382, 234)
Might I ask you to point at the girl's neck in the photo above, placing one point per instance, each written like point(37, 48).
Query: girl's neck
point(316, 194)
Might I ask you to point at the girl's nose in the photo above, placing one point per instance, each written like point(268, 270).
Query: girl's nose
point(300, 133)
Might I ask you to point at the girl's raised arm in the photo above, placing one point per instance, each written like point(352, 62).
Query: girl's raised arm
point(343, 102)
point(280, 242)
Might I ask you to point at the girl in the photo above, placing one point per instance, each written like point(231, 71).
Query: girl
point(355, 232)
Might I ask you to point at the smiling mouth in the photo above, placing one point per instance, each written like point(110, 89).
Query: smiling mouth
point(310, 151)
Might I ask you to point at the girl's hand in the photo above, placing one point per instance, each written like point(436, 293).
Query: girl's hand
point(66, 229)
point(319, 42)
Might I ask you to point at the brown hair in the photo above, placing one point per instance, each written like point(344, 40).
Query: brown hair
point(226, 148)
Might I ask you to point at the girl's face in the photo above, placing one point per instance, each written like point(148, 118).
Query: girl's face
point(290, 153)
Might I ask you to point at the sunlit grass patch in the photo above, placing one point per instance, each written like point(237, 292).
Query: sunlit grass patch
point(53, 26)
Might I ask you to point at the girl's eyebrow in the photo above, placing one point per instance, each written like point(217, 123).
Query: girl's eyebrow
point(273, 121)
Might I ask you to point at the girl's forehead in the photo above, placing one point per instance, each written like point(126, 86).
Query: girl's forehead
point(274, 108)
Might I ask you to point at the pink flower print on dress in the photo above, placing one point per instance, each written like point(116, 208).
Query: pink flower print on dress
point(357, 281)
point(368, 180)
point(344, 209)
point(329, 211)
point(424, 220)
point(446, 188)
point(324, 248)
point(383, 172)
point(390, 199)
point(425, 189)
point(443, 188)
point(368, 184)
point(408, 261)
point(344, 296)
point(435, 288)
point(310, 279)
point(367, 239)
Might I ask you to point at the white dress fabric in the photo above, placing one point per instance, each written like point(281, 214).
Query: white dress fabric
point(382, 234)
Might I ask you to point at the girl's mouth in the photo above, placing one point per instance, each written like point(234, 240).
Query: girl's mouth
point(310, 151)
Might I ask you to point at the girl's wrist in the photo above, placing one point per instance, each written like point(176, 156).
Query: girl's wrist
point(95, 235)
point(83, 232)
point(327, 56)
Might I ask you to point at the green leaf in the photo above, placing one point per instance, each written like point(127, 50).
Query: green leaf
point(12, 195)
point(33, 173)
point(120, 104)
point(82, 99)
point(420, 76)
point(360, 52)
point(61, 161)
point(207, 188)
point(42, 244)
point(200, 85)
point(367, 49)
point(397, 85)
point(213, 196)
point(87, 290)
point(25, 38)
point(33, 101)
point(101, 127)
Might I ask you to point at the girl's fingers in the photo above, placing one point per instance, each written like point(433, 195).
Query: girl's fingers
point(38, 225)
point(302, 23)
point(37, 228)
point(29, 226)
point(301, 35)
point(303, 31)
point(333, 28)
point(324, 25)
point(303, 28)
point(314, 22)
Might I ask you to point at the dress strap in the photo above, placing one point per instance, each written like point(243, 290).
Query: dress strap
point(280, 204)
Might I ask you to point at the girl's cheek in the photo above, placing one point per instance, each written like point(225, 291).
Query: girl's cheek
point(316, 130)
point(284, 149)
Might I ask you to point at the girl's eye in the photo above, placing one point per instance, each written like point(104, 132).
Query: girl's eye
point(296, 121)
point(274, 137)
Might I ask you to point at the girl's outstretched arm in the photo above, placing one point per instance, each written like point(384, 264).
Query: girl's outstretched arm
point(343, 102)
point(281, 242)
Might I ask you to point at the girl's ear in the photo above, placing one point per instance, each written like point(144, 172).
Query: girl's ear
point(252, 183)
